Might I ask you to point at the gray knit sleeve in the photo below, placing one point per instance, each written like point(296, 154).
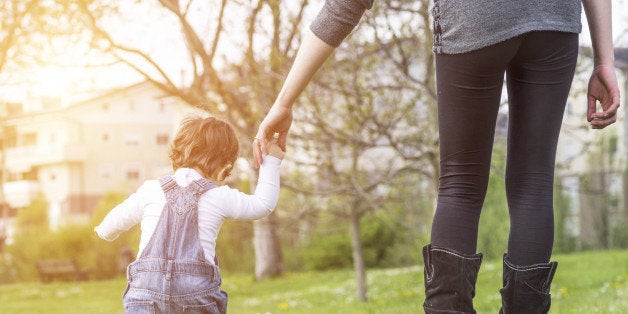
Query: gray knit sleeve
point(338, 18)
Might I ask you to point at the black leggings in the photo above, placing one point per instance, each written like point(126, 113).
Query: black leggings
point(539, 68)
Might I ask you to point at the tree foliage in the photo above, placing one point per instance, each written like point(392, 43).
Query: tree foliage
point(31, 241)
point(14, 23)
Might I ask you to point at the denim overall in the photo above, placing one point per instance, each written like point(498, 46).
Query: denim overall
point(171, 275)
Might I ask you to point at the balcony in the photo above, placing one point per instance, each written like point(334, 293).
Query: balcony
point(22, 159)
point(19, 194)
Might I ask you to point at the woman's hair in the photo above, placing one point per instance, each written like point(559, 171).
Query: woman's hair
point(205, 144)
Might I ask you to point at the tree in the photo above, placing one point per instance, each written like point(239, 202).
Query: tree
point(233, 55)
point(365, 121)
point(564, 240)
point(595, 180)
point(599, 197)
point(16, 21)
point(13, 17)
point(25, 27)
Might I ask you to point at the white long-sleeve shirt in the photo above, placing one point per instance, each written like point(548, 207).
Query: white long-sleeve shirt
point(214, 206)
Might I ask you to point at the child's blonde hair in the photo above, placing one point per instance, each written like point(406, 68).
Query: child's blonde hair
point(205, 144)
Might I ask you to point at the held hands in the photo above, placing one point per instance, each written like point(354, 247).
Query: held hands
point(603, 88)
point(278, 120)
point(274, 150)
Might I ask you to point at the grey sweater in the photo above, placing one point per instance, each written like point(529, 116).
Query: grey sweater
point(461, 25)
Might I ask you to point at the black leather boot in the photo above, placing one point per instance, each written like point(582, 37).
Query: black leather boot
point(526, 288)
point(449, 280)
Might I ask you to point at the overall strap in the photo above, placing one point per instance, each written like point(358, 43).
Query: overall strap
point(201, 186)
point(167, 183)
point(176, 234)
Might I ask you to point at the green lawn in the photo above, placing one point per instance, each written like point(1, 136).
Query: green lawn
point(594, 282)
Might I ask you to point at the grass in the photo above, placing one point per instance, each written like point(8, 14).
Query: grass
point(592, 282)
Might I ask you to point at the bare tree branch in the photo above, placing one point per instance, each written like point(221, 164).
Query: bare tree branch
point(294, 29)
point(11, 26)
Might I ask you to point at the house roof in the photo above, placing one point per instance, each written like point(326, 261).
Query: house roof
point(96, 99)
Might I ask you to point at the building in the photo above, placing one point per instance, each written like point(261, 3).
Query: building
point(73, 155)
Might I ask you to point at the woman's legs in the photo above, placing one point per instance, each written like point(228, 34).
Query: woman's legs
point(540, 68)
point(539, 78)
point(469, 91)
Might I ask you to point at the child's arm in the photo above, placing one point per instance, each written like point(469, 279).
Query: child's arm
point(121, 218)
point(237, 205)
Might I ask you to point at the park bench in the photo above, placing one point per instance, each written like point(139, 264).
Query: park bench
point(65, 269)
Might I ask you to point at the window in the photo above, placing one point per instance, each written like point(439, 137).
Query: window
point(106, 171)
point(29, 139)
point(132, 139)
point(133, 173)
point(162, 139)
point(32, 175)
point(10, 136)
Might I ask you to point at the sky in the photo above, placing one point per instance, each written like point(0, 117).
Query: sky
point(620, 25)
point(67, 84)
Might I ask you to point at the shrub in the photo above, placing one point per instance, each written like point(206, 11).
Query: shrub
point(234, 247)
point(32, 241)
point(324, 251)
point(327, 251)
point(106, 258)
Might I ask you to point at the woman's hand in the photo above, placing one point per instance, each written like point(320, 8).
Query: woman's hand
point(311, 55)
point(603, 88)
point(278, 120)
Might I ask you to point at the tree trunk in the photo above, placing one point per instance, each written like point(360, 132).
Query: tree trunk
point(3, 202)
point(625, 210)
point(358, 255)
point(593, 226)
point(268, 259)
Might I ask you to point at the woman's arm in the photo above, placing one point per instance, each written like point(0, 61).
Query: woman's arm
point(603, 83)
point(311, 55)
point(333, 23)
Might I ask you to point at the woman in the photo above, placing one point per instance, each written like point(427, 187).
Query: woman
point(536, 44)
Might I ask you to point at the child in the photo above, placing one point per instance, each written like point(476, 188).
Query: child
point(180, 217)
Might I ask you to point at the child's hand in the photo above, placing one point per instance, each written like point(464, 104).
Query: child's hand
point(274, 150)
